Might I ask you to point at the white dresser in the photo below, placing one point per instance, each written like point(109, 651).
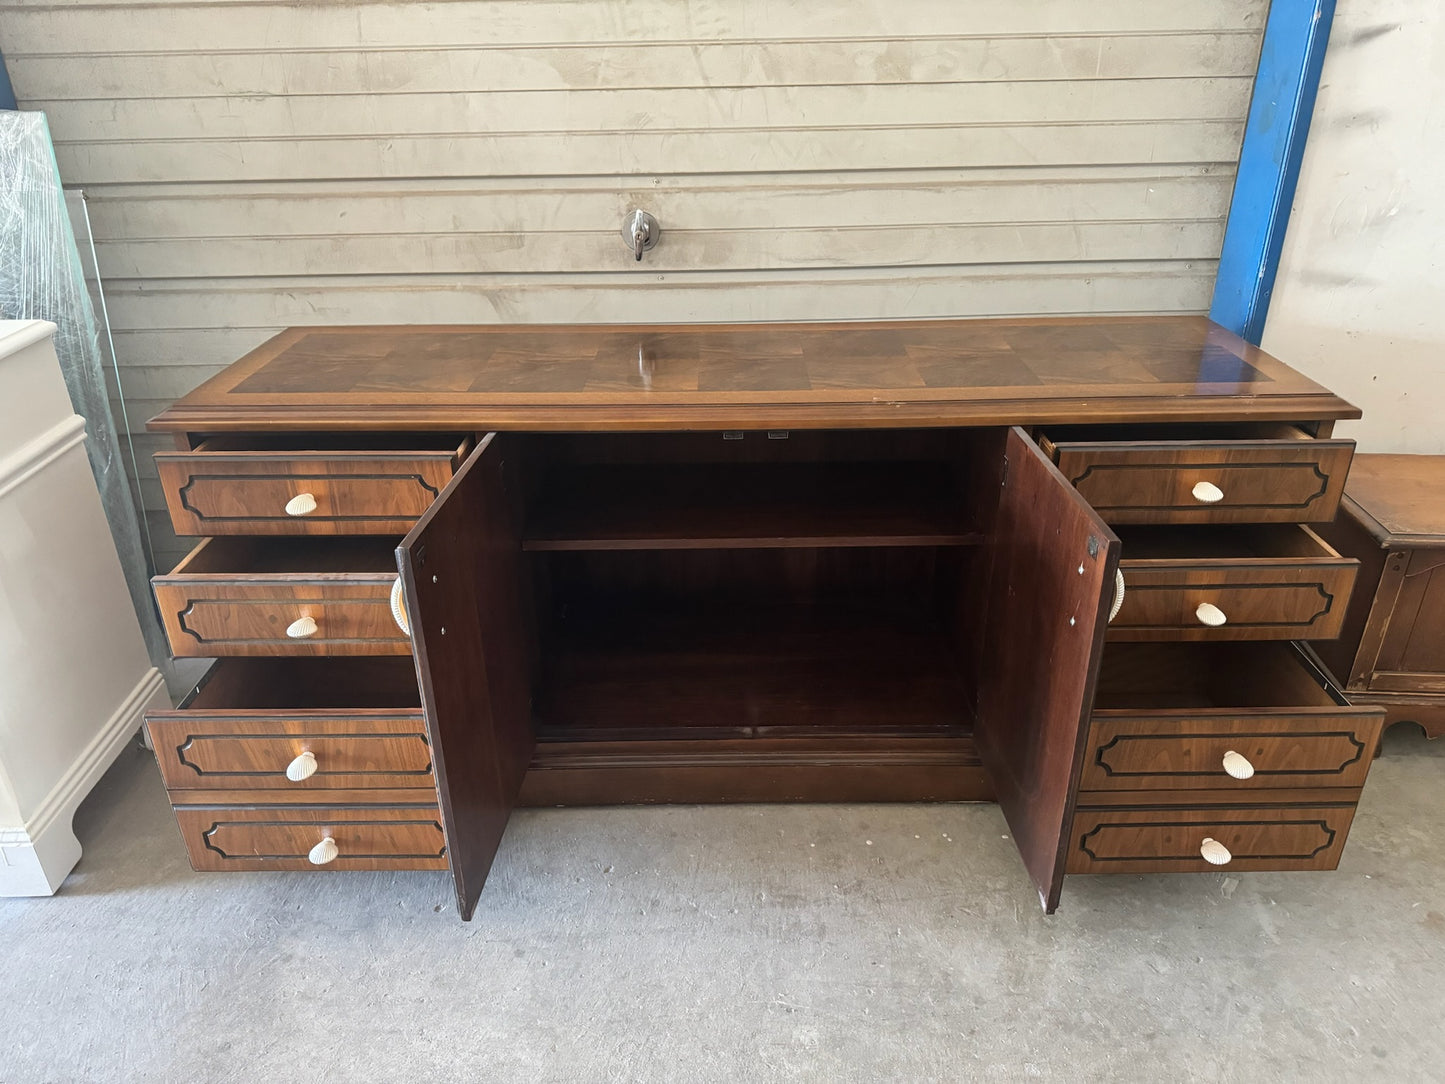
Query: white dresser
point(75, 680)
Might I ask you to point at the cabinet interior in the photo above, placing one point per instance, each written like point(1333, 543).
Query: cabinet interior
point(754, 585)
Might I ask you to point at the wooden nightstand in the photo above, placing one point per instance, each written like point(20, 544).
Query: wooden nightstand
point(1392, 650)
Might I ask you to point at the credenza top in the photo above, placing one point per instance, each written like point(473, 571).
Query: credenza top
point(1042, 370)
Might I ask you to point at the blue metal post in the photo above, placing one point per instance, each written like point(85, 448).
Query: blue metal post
point(1290, 60)
point(7, 95)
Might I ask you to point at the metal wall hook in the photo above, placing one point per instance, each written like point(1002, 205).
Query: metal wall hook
point(640, 230)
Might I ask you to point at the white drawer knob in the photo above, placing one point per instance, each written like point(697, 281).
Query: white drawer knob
point(1211, 850)
point(327, 850)
point(304, 767)
point(301, 628)
point(1210, 614)
point(303, 504)
point(1237, 765)
point(1207, 492)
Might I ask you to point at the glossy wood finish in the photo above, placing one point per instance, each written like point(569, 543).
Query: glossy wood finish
point(1186, 752)
point(242, 485)
point(1133, 478)
point(1278, 582)
point(878, 767)
point(1392, 651)
point(1053, 562)
point(279, 837)
point(214, 750)
point(740, 376)
point(1167, 840)
point(233, 596)
point(754, 505)
point(465, 591)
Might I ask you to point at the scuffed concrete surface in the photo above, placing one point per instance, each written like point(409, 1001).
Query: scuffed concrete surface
point(754, 943)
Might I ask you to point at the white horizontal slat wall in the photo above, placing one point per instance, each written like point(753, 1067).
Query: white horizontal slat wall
point(252, 164)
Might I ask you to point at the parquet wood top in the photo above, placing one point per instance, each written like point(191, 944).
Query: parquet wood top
point(713, 376)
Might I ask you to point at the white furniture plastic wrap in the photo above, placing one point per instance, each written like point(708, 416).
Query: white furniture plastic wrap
point(75, 680)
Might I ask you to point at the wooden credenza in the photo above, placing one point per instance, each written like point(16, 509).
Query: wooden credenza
point(1063, 564)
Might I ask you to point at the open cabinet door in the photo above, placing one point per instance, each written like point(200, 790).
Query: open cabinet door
point(1049, 593)
point(465, 597)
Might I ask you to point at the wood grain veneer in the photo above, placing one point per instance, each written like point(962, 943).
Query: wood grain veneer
point(279, 837)
point(1051, 558)
point(234, 596)
point(1277, 582)
point(471, 624)
point(222, 489)
point(1167, 840)
point(892, 374)
point(1289, 479)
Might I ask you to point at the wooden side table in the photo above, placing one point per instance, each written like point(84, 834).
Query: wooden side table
point(1392, 649)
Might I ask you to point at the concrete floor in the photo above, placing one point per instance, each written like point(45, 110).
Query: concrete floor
point(734, 944)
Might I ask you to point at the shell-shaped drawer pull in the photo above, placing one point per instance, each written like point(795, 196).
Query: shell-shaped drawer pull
point(1237, 765)
point(1207, 493)
point(303, 504)
point(1214, 852)
point(301, 628)
point(398, 607)
point(327, 850)
point(1210, 614)
point(304, 767)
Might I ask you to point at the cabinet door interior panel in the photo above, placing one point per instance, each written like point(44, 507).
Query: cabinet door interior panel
point(468, 607)
point(1052, 578)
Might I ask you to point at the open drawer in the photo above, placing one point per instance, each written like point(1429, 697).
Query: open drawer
point(1266, 473)
point(282, 596)
point(296, 725)
point(1201, 840)
point(307, 483)
point(1229, 719)
point(1245, 582)
point(313, 837)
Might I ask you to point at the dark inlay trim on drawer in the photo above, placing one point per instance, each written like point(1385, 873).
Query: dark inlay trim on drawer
point(1296, 585)
point(1272, 734)
point(216, 826)
point(1175, 467)
point(1210, 825)
point(184, 491)
point(367, 735)
point(329, 603)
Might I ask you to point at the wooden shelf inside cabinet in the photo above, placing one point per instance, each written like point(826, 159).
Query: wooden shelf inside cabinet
point(758, 505)
point(766, 672)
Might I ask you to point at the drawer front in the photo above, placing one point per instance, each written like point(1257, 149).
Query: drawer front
point(283, 837)
point(253, 750)
point(1260, 600)
point(1272, 481)
point(254, 615)
point(1143, 753)
point(363, 492)
point(1173, 840)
